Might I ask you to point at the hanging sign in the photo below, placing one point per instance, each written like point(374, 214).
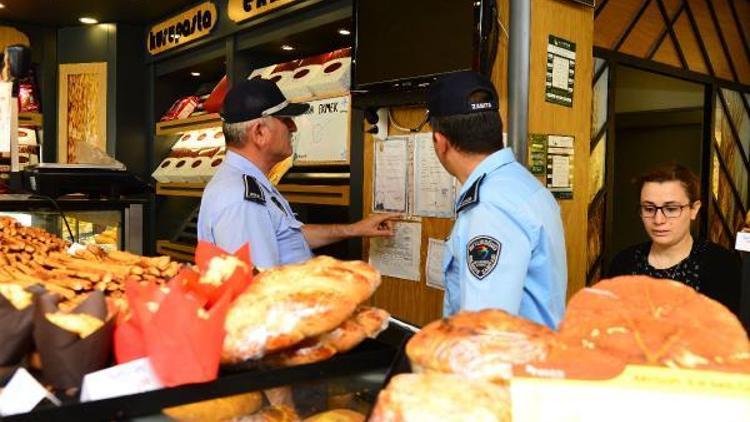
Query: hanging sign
point(561, 65)
point(241, 10)
point(551, 159)
point(186, 27)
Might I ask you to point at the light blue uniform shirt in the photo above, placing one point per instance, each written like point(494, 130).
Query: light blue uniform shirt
point(507, 247)
point(240, 205)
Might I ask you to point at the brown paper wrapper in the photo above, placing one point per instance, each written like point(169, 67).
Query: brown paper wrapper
point(16, 327)
point(66, 357)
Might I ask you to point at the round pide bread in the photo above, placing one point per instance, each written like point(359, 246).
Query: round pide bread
point(484, 344)
point(285, 305)
point(642, 320)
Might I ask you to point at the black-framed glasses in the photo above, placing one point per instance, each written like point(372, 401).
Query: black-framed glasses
point(669, 210)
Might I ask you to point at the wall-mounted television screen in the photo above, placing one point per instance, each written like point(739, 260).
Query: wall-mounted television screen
point(403, 44)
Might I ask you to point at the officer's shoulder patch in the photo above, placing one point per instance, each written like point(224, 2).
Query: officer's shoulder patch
point(253, 190)
point(471, 196)
point(482, 254)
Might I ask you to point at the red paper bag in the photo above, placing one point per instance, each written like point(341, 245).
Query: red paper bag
point(183, 340)
point(129, 343)
point(211, 282)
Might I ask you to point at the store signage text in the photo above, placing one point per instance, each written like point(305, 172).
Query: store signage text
point(181, 29)
point(240, 10)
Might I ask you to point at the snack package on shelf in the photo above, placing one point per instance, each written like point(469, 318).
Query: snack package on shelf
point(72, 344)
point(28, 97)
point(181, 109)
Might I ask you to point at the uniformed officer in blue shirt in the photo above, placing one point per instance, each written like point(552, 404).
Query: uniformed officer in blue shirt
point(240, 205)
point(507, 247)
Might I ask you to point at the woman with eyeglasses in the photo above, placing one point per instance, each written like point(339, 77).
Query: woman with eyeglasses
point(669, 204)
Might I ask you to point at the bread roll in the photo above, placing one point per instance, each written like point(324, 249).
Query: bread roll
point(441, 397)
point(337, 415)
point(285, 305)
point(484, 344)
point(366, 322)
point(221, 409)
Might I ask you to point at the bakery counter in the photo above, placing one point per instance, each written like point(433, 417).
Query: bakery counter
point(112, 223)
point(348, 383)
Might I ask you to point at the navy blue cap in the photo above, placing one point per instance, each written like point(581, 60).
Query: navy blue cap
point(451, 94)
point(255, 98)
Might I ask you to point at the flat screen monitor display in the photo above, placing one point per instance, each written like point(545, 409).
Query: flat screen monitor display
point(405, 43)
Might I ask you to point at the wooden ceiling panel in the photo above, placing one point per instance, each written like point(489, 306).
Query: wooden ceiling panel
point(672, 6)
point(613, 20)
point(667, 53)
point(645, 32)
point(689, 45)
point(711, 40)
point(733, 37)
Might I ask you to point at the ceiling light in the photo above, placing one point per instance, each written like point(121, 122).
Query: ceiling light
point(2, 6)
point(344, 31)
point(287, 47)
point(87, 20)
point(195, 73)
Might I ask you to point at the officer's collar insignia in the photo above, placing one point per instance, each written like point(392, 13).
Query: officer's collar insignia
point(253, 191)
point(482, 255)
point(471, 196)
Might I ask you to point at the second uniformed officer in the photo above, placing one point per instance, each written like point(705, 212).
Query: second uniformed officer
point(507, 247)
point(240, 205)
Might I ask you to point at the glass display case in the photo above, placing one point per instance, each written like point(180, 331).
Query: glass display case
point(349, 381)
point(111, 224)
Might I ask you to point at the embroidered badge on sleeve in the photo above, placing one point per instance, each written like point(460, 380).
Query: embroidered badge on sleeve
point(482, 255)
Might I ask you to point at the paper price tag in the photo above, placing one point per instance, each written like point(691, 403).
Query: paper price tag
point(742, 243)
point(121, 380)
point(660, 393)
point(22, 394)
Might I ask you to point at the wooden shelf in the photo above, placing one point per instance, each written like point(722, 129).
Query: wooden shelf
point(298, 194)
point(30, 119)
point(178, 251)
point(193, 190)
point(316, 194)
point(173, 127)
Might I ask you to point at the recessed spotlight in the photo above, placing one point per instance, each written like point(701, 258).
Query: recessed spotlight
point(287, 47)
point(87, 20)
point(195, 73)
point(344, 31)
point(2, 6)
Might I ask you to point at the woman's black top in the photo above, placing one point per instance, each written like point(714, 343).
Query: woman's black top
point(709, 269)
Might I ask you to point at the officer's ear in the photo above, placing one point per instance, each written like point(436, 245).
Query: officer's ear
point(441, 143)
point(255, 132)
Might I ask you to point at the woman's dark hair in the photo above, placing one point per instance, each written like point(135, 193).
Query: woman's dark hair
point(673, 173)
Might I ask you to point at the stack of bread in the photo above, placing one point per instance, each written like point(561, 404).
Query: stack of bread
point(303, 313)
point(631, 320)
point(29, 256)
point(195, 157)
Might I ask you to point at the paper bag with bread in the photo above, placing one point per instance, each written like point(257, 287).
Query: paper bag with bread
point(16, 323)
point(72, 344)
